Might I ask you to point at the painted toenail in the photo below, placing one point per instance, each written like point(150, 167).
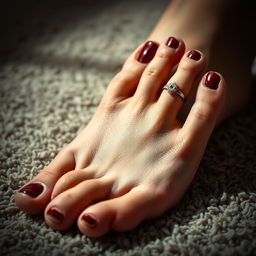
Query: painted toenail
point(89, 220)
point(32, 189)
point(172, 42)
point(194, 55)
point(212, 80)
point(148, 52)
point(55, 215)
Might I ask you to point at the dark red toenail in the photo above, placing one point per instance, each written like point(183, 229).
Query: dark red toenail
point(55, 215)
point(172, 42)
point(32, 189)
point(148, 52)
point(212, 80)
point(194, 55)
point(89, 220)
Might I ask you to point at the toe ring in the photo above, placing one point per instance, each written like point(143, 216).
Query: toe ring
point(173, 88)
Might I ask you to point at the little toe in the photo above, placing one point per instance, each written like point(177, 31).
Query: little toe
point(35, 195)
point(158, 71)
point(121, 214)
point(124, 84)
point(189, 68)
point(62, 211)
point(202, 117)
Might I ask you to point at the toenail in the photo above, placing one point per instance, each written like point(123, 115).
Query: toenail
point(32, 189)
point(89, 220)
point(212, 80)
point(194, 55)
point(148, 52)
point(55, 215)
point(172, 42)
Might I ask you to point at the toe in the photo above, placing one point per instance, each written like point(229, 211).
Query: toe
point(62, 211)
point(71, 179)
point(124, 84)
point(204, 112)
point(189, 68)
point(158, 71)
point(120, 214)
point(35, 195)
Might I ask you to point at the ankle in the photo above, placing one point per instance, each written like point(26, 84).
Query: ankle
point(198, 18)
point(194, 21)
point(215, 7)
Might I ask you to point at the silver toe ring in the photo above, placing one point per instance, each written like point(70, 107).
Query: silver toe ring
point(173, 88)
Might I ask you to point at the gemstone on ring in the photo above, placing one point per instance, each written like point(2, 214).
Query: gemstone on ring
point(173, 88)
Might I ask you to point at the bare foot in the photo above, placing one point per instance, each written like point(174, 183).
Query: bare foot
point(134, 160)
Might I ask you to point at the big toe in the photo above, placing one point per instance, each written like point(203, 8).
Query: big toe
point(36, 194)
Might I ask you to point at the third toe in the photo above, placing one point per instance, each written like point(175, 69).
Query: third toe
point(64, 208)
point(190, 67)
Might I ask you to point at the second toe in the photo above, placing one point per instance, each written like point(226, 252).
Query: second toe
point(63, 210)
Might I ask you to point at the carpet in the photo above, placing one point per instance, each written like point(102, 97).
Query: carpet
point(57, 57)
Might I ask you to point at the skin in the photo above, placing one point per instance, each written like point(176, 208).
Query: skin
point(146, 163)
point(143, 145)
point(213, 28)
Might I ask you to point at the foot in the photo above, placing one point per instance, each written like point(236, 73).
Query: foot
point(133, 154)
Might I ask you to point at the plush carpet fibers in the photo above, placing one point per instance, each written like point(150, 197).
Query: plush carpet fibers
point(57, 58)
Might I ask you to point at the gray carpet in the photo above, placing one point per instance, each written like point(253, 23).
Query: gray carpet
point(56, 61)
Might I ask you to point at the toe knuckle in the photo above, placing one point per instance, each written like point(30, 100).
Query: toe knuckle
point(131, 68)
point(67, 151)
point(121, 79)
point(109, 106)
point(187, 67)
point(136, 109)
point(66, 178)
point(68, 197)
point(200, 115)
point(48, 173)
point(203, 114)
point(152, 72)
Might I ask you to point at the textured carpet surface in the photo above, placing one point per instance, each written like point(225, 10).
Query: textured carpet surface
point(56, 61)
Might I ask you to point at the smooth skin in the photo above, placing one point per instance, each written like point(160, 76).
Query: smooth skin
point(134, 153)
